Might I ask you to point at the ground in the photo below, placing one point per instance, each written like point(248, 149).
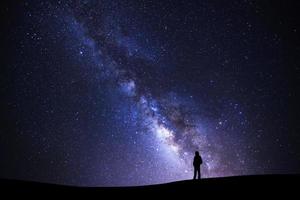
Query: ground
point(240, 186)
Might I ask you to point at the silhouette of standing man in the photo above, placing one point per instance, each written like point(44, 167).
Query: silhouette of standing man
point(197, 162)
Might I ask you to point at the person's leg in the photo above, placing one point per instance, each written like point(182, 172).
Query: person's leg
point(199, 175)
point(195, 171)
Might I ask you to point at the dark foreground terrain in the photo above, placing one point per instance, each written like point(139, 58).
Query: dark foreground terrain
point(241, 186)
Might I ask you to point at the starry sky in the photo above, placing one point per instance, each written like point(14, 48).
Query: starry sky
point(118, 93)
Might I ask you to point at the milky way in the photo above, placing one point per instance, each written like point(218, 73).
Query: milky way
point(169, 118)
point(107, 93)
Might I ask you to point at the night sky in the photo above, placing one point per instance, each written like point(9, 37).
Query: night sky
point(109, 93)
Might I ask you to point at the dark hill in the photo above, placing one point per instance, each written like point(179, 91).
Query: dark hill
point(283, 185)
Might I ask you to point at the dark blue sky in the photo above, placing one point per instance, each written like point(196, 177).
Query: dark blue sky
point(105, 93)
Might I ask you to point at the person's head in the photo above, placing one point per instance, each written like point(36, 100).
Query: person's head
point(197, 153)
